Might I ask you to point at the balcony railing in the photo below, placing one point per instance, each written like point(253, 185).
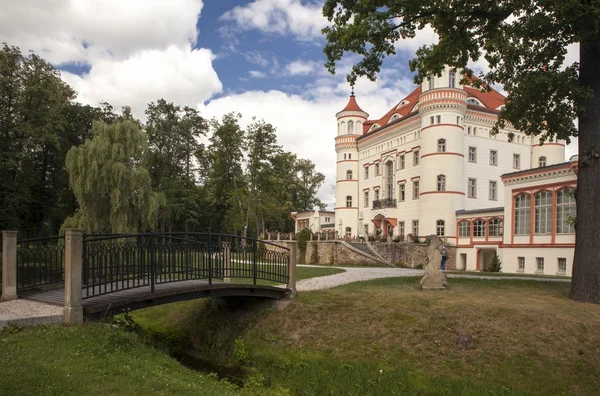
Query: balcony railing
point(384, 203)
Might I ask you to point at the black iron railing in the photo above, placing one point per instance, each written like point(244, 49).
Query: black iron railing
point(40, 262)
point(384, 203)
point(126, 261)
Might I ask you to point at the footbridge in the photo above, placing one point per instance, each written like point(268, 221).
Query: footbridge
point(95, 275)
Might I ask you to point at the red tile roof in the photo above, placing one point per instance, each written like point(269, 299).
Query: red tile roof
point(352, 105)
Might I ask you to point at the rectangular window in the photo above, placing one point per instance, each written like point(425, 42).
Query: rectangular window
point(464, 229)
point(493, 191)
point(349, 156)
point(472, 188)
point(439, 119)
point(521, 264)
point(562, 265)
point(565, 211)
point(401, 230)
point(415, 228)
point(493, 157)
point(366, 172)
point(366, 199)
point(542, 161)
point(416, 190)
point(402, 162)
point(516, 161)
point(402, 192)
point(416, 158)
point(431, 82)
point(376, 169)
point(376, 195)
point(431, 120)
point(543, 213)
point(522, 214)
point(540, 264)
point(457, 120)
point(472, 154)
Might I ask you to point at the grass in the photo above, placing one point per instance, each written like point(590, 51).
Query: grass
point(479, 273)
point(386, 337)
point(95, 359)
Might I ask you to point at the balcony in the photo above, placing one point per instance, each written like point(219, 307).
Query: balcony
point(384, 203)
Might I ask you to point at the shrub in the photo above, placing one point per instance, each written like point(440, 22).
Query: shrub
point(302, 239)
point(396, 240)
point(383, 239)
point(419, 266)
point(495, 265)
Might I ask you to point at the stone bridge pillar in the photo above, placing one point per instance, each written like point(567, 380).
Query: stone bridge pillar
point(9, 265)
point(73, 310)
point(292, 269)
point(226, 246)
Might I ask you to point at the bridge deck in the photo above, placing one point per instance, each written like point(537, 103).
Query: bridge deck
point(140, 297)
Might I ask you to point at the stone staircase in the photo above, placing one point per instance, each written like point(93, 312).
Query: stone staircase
point(367, 251)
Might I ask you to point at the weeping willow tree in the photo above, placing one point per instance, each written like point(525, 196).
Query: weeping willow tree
point(110, 181)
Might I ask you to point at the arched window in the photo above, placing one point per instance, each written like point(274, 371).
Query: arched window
point(565, 209)
point(441, 148)
point(522, 214)
point(348, 231)
point(464, 229)
point(350, 128)
point(479, 228)
point(495, 227)
point(389, 171)
point(441, 228)
point(542, 161)
point(441, 183)
point(543, 212)
point(349, 201)
point(431, 81)
point(469, 130)
point(349, 175)
point(451, 79)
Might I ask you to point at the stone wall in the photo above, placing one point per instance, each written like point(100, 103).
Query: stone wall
point(336, 253)
point(409, 254)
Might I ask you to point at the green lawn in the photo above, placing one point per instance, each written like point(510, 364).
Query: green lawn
point(386, 337)
point(95, 359)
point(380, 337)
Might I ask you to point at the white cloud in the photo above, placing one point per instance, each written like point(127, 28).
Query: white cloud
point(138, 50)
point(284, 17)
point(300, 67)
point(82, 31)
point(177, 74)
point(257, 74)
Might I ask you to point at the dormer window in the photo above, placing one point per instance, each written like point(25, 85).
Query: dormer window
point(473, 101)
point(394, 117)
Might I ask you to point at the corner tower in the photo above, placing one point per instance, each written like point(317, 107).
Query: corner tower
point(442, 107)
point(550, 153)
point(350, 126)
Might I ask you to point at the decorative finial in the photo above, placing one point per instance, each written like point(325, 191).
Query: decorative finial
point(352, 93)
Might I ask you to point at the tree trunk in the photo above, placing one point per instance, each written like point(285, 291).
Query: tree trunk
point(586, 263)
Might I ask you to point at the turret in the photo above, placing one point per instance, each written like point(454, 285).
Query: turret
point(442, 107)
point(549, 153)
point(350, 126)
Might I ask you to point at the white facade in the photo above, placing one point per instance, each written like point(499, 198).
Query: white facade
point(428, 157)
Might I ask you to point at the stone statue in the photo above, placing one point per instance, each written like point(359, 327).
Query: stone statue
point(434, 277)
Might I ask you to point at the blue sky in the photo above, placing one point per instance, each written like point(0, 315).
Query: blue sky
point(262, 58)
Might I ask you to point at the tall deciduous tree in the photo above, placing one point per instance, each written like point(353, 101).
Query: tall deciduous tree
point(33, 115)
point(110, 181)
point(525, 43)
point(174, 139)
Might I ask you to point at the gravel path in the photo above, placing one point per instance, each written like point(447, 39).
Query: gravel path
point(19, 309)
point(356, 274)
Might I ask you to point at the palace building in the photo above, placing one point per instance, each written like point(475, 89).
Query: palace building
point(431, 166)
